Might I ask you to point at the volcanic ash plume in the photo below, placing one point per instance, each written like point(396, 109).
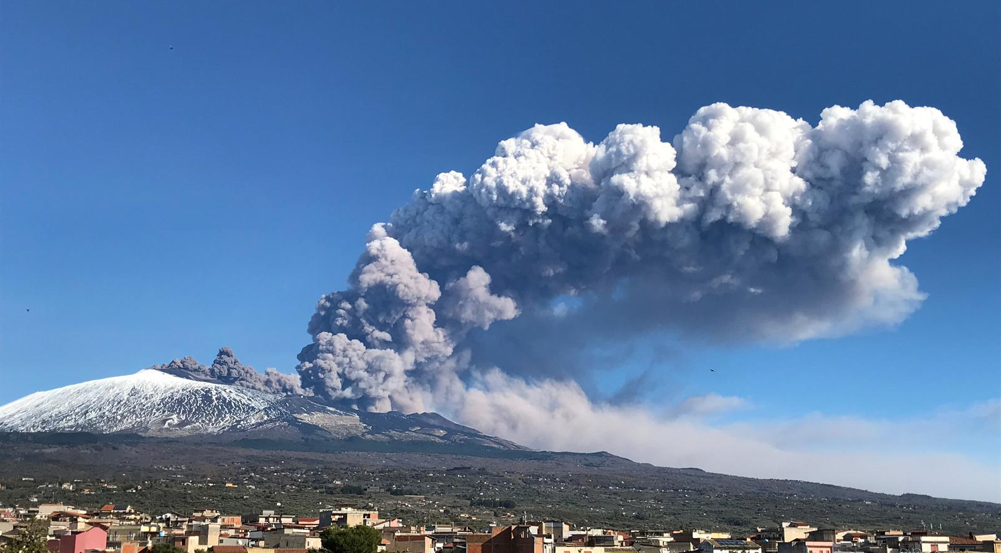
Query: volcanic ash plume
point(749, 225)
point(229, 370)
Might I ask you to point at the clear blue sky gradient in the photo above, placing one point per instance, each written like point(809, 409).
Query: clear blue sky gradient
point(162, 202)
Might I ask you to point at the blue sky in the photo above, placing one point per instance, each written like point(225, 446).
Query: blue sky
point(162, 202)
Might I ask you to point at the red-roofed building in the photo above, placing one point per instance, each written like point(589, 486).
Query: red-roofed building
point(113, 508)
point(229, 549)
point(78, 542)
point(964, 543)
point(308, 522)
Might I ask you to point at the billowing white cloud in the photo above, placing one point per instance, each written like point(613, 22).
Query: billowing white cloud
point(909, 455)
point(741, 165)
point(751, 225)
point(705, 405)
point(470, 302)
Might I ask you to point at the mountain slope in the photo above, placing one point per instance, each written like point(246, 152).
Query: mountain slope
point(148, 402)
point(158, 403)
point(586, 489)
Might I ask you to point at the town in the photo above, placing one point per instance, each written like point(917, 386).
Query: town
point(119, 528)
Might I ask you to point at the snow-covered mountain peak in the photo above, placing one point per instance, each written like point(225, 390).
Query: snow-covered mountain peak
point(154, 402)
point(147, 402)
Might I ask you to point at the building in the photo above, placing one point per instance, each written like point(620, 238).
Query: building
point(557, 529)
point(298, 541)
point(229, 549)
point(270, 517)
point(853, 536)
point(581, 547)
point(666, 547)
point(408, 543)
point(510, 539)
point(664, 543)
point(728, 546)
point(46, 509)
point(208, 534)
point(965, 543)
point(916, 543)
point(288, 537)
point(124, 533)
point(348, 517)
point(823, 534)
point(807, 546)
point(697, 536)
point(992, 546)
point(796, 530)
point(78, 542)
point(889, 539)
point(308, 522)
point(116, 509)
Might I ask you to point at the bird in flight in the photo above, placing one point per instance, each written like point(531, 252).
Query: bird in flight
point(28, 310)
point(712, 370)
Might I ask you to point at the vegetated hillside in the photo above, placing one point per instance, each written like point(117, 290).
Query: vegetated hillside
point(421, 483)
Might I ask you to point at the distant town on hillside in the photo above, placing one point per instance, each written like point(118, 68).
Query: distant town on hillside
point(119, 528)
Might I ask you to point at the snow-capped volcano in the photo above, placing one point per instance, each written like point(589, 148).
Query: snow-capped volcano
point(147, 402)
point(154, 402)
